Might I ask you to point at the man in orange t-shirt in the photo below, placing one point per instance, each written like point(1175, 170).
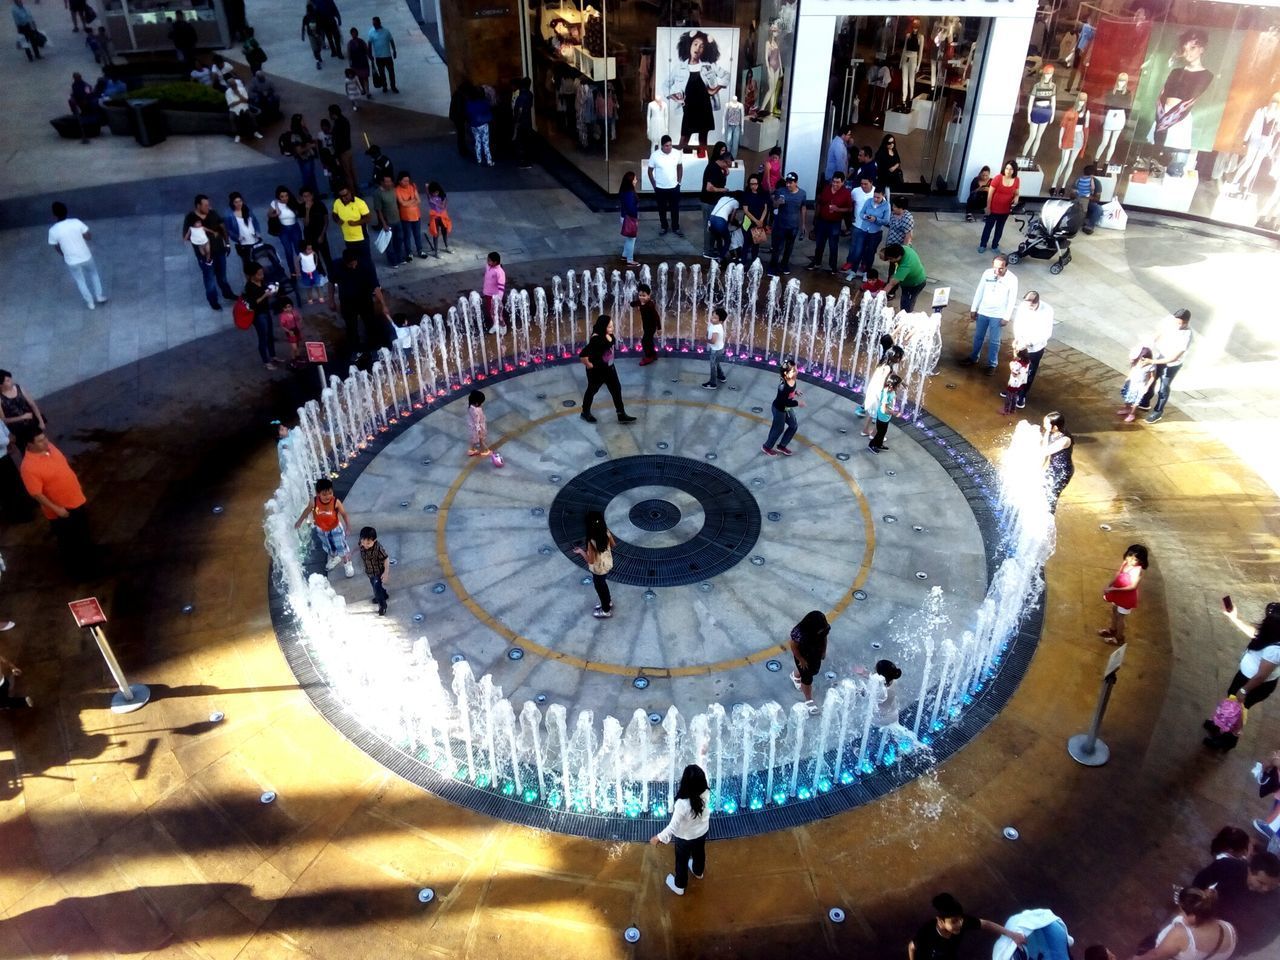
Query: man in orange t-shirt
point(53, 484)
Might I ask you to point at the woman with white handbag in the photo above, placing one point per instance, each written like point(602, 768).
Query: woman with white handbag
point(598, 552)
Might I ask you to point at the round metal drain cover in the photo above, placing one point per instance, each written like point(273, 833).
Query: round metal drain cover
point(426, 895)
point(774, 515)
point(640, 683)
point(438, 588)
point(655, 718)
point(457, 658)
point(836, 915)
point(568, 403)
point(654, 515)
point(757, 561)
point(773, 666)
point(268, 797)
point(537, 512)
point(842, 457)
point(757, 409)
point(859, 594)
point(1010, 833)
point(515, 653)
point(431, 508)
point(921, 575)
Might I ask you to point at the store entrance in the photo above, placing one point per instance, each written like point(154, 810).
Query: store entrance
point(906, 86)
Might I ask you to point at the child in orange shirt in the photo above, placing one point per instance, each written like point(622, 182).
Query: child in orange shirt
point(331, 525)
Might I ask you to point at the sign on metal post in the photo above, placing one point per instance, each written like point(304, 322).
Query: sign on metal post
point(88, 615)
point(941, 297)
point(317, 354)
point(1086, 748)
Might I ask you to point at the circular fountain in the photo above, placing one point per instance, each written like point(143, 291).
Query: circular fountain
point(587, 730)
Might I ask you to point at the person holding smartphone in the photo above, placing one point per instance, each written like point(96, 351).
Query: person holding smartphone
point(1256, 677)
point(257, 294)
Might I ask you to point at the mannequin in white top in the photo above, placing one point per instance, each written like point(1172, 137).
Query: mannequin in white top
point(1118, 104)
point(656, 123)
point(733, 116)
point(1042, 104)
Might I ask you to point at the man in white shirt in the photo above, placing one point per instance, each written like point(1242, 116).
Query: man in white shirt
point(1169, 349)
point(992, 308)
point(723, 221)
point(666, 170)
point(1032, 328)
point(70, 237)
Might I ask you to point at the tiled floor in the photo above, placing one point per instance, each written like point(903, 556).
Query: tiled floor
point(143, 835)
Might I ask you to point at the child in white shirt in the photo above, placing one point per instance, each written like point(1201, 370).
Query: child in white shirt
point(715, 347)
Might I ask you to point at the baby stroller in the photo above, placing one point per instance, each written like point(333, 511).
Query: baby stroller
point(1047, 938)
point(273, 271)
point(1049, 234)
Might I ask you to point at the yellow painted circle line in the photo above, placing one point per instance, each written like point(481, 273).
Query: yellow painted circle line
point(516, 639)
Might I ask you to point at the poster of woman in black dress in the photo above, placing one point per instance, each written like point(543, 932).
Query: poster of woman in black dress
point(699, 70)
point(1173, 127)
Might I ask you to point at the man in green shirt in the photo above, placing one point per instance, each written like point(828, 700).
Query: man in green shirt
point(387, 209)
point(908, 273)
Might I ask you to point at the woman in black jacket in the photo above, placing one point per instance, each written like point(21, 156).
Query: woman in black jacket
point(784, 418)
point(597, 357)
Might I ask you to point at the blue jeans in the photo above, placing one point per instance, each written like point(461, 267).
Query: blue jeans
point(909, 294)
point(214, 276)
point(993, 221)
point(307, 170)
point(987, 325)
point(411, 230)
point(718, 228)
point(1160, 387)
point(783, 429)
point(394, 254)
point(291, 243)
point(379, 591)
point(628, 248)
point(266, 337)
point(862, 249)
point(716, 375)
point(480, 136)
point(823, 231)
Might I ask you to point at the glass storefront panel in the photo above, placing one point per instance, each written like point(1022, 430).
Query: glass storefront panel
point(610, 80)
point(1175, 103)
point(906, 84)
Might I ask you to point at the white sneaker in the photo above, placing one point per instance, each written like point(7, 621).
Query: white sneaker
point(795, 680)
point(91, 305)
point(698, 875)
point(257, 136)
point(671, 885)
point(333, 562)
point(811, 707)
point(237, 139)
point(349, 570)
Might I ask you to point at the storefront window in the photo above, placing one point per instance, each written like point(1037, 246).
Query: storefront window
point(906, 84)
point(1175, 104)
point(611, 80)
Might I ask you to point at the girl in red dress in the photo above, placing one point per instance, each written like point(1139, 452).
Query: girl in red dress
point(1122, 592)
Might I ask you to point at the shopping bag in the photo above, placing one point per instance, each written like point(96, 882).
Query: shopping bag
point(382, 240)
point(1113, 216)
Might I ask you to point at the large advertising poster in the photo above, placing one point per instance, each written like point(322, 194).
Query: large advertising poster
point(695, 73)
point(1114, 74)
point(1185, 81)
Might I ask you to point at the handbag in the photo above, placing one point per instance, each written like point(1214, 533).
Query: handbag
point(273, 226)
point(630, 226)
point(242, 314)
point(602, 564)
point(759, 234)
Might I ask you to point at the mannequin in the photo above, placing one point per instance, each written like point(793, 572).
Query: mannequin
point(1119, 101)
point(941, 41)
point(1042, 103)
point(1075, 133)
point(656, 122)
point(749, 95)
point(770, 101)
point(1259, 141)
point(733, 115)
point(910, 62)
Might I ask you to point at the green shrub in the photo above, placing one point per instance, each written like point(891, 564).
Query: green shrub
point(178, 95)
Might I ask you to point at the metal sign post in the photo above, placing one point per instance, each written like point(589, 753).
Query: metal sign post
point(88, 615)
point(317, 354)
point(1086, 748)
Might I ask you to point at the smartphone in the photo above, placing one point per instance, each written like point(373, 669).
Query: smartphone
point(1227, 605)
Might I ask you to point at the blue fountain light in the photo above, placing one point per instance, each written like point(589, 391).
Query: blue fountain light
point(804, 793)
point(729, 806)
point(846, 777)
point(530, 795)
point(779, 798)
point(824, 785)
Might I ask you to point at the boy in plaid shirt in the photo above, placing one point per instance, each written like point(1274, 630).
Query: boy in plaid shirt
point(376, 566)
